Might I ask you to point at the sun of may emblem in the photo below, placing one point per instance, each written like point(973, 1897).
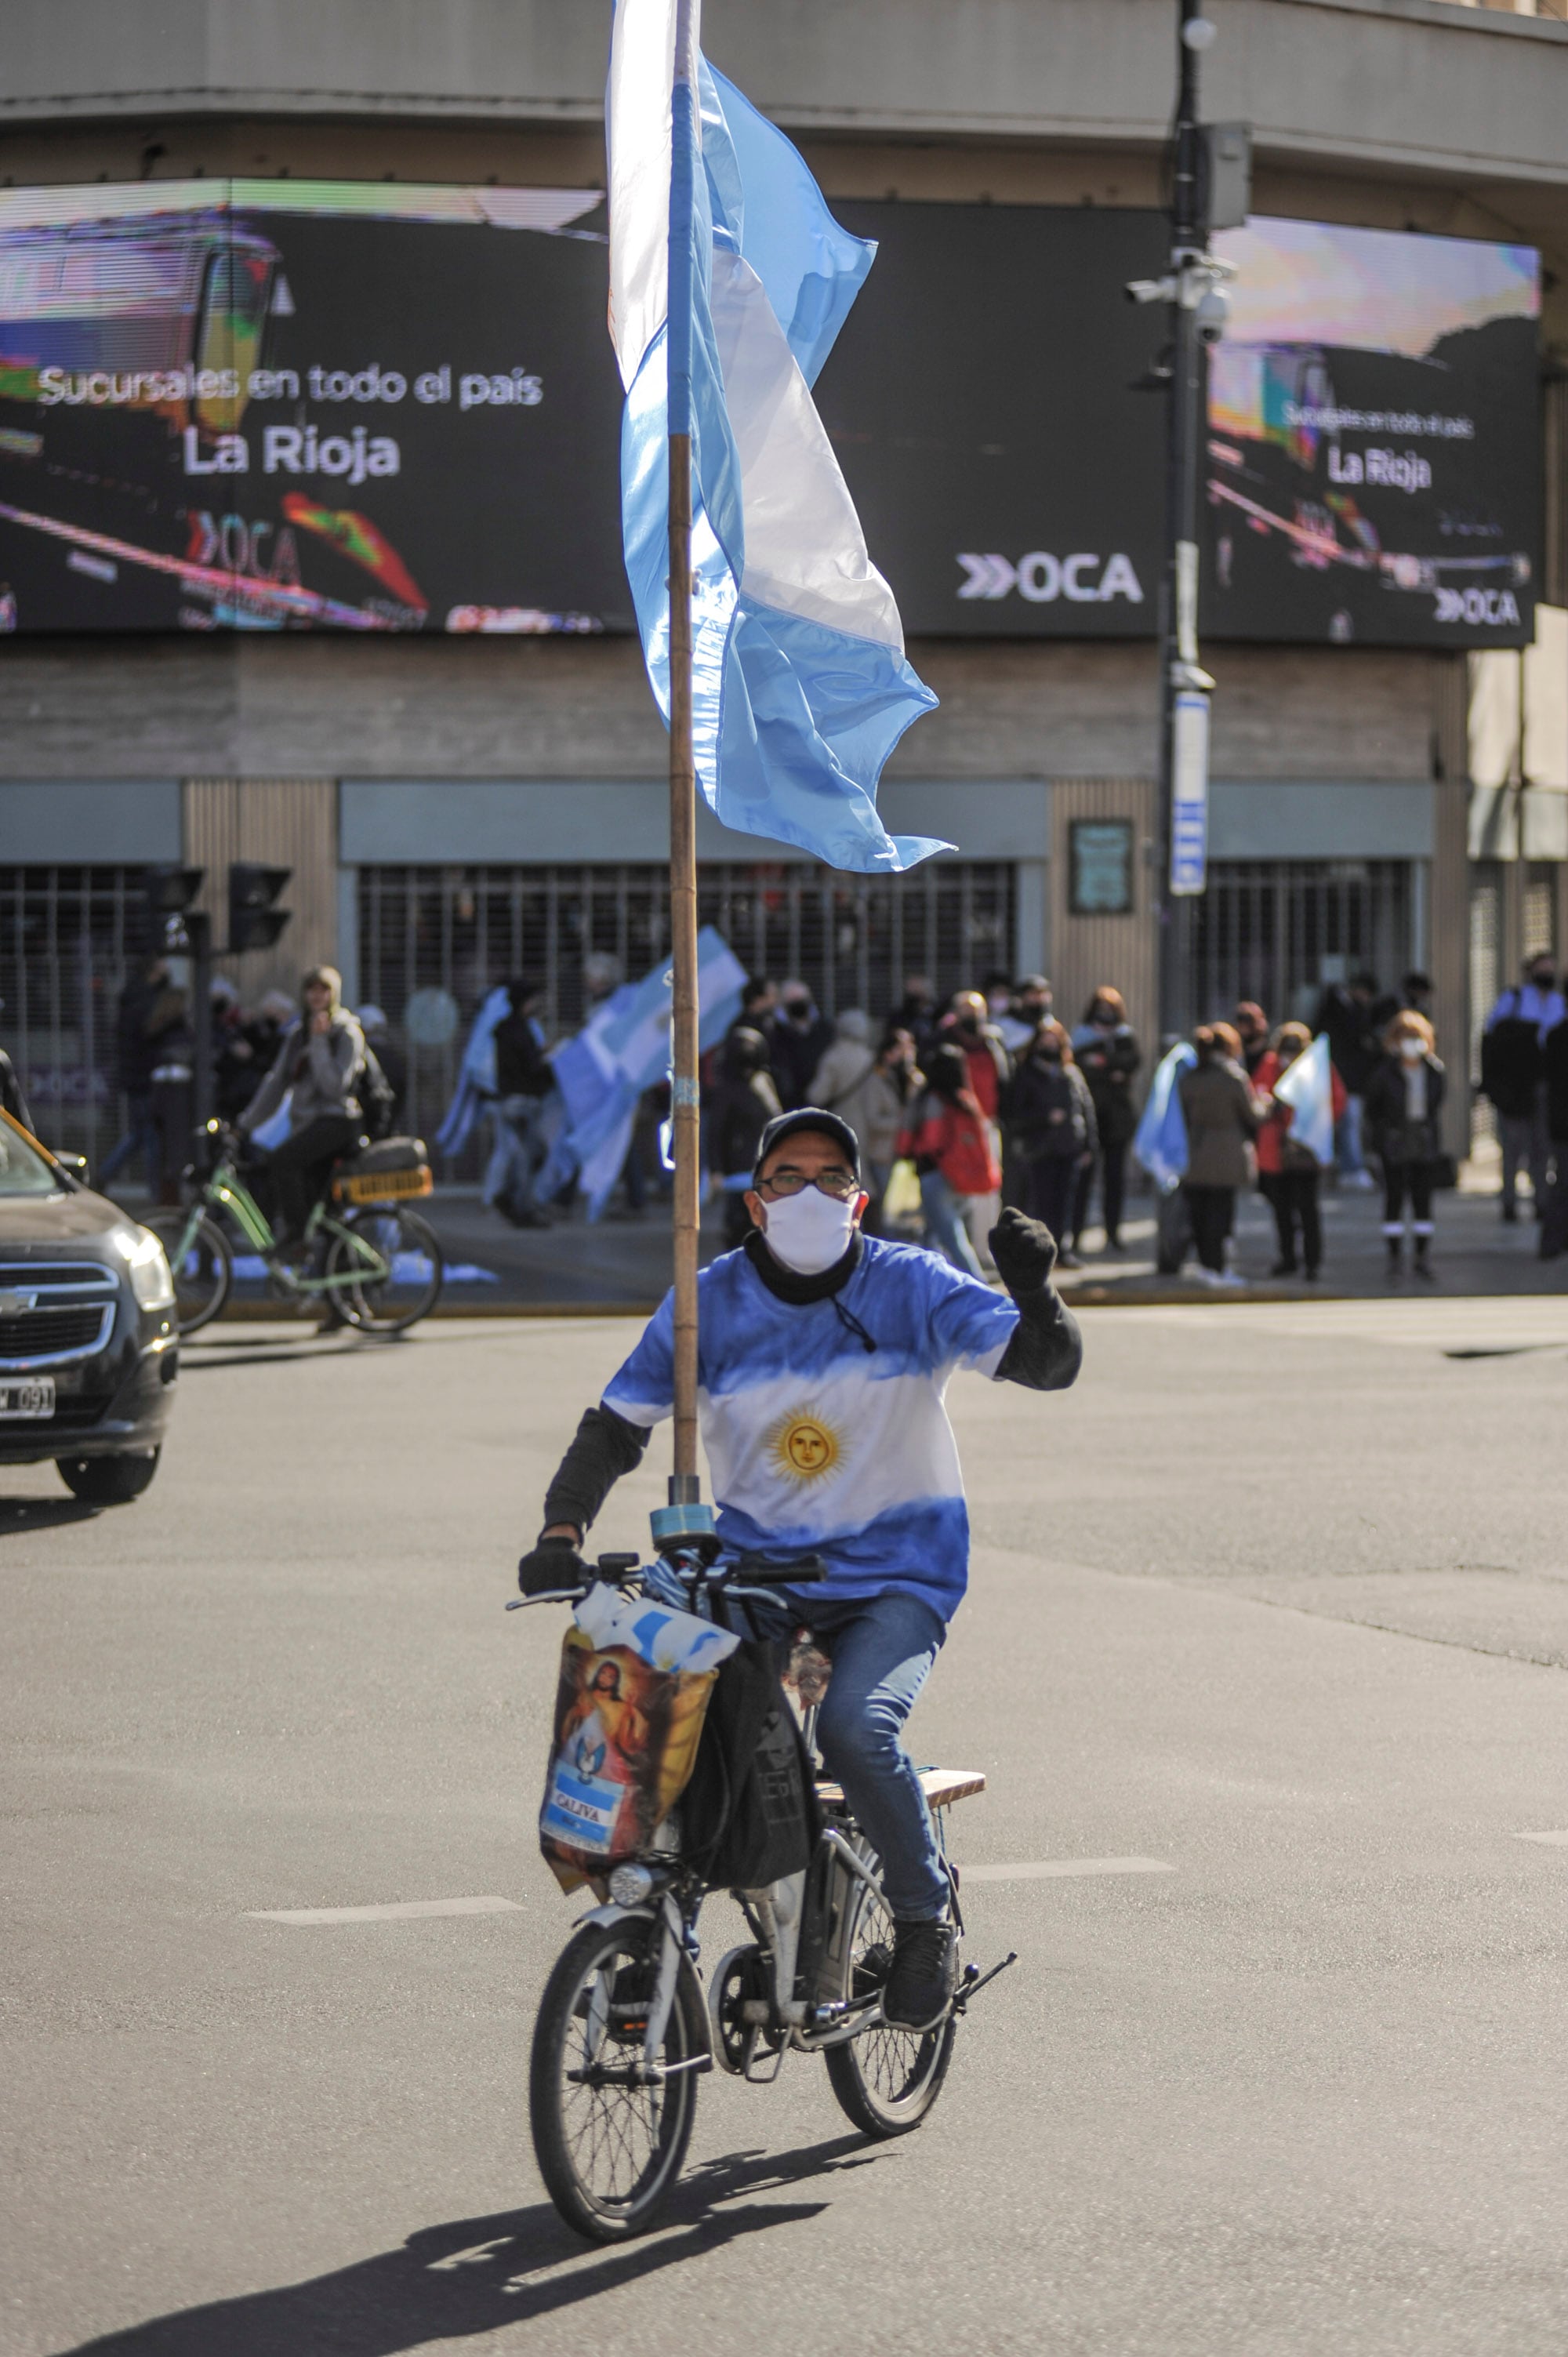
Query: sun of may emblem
point(803, 1446)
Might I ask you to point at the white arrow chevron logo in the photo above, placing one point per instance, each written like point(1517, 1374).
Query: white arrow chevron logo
point(988, 576)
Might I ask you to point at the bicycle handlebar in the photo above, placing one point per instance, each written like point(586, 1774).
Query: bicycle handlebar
point(746, 1570)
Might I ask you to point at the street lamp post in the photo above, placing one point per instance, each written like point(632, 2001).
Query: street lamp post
point(1191, 289)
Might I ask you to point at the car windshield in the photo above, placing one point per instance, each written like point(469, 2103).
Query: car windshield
point(23, 1169)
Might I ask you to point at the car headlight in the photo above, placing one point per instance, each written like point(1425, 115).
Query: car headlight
point(151, 1281)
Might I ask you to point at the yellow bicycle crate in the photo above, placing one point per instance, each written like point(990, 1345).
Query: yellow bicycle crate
point(393, 1170)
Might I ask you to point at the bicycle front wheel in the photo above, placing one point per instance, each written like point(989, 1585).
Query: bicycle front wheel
point(409, 1254)
point(609, 2143)
point(202, 1263)
point(885, 2080)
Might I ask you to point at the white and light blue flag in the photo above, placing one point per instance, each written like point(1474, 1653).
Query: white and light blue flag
point(624, 1048)
point(1307, 1087)
point(729, 281)
point(1160, 1139)
point(475, 1074)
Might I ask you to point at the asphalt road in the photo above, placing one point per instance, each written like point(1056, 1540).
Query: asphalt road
point(1277, 1598)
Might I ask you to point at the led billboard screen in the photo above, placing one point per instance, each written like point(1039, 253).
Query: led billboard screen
point(1373, 459)
point(1374, 449)
point(276, 404)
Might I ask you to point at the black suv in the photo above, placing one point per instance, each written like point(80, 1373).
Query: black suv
point(89, 1349)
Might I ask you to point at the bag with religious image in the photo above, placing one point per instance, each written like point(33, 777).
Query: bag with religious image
point(636, 1679)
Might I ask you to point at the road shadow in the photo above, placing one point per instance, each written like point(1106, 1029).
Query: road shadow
point(18, 1515)
point(479, 2274)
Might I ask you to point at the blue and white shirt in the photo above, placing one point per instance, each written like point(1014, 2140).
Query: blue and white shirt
point(813, 1441)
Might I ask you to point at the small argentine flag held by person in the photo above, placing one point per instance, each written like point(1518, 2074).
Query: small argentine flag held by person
point(729, 281)
point(1307, 1087)
point(624, 1048)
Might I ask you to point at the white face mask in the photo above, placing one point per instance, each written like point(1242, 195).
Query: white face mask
point(810, 1231)
point(1412, 1050)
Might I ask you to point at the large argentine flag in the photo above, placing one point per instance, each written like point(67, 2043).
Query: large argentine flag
point(729, 281)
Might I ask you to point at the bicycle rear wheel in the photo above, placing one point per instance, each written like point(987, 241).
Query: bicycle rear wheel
point(410, 1291)
point(202, 1263)
point(885, 2080)
point(609, 2150)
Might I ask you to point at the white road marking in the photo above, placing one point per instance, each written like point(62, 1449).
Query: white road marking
point(1558, 1841)
point(400, 1911)
point(1036, 1869)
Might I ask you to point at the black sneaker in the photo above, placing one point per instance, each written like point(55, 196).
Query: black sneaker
point(924, 1977)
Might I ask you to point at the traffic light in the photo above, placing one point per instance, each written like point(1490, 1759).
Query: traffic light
point(253, 922)
point(169, 893)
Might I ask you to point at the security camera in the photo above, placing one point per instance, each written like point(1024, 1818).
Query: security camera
point(1211, 316)
point(1151, 290)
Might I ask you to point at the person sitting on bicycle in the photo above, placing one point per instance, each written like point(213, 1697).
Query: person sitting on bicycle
point(823, 1357)
point(320, 1060)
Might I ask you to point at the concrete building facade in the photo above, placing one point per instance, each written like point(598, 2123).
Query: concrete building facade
point(455, 807)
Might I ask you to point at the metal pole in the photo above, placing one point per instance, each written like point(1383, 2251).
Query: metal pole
point(198, 933)
point(1178, 600)
point(683, 1486)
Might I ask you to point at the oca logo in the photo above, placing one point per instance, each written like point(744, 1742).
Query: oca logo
point(1498, 606)
point(1041, 578)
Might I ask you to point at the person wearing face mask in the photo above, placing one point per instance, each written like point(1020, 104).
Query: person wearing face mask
point(876, 1110)
point(1288, 1172)
point(800, 1039)
point(823, 1357)
point(1050, 1117)
point(1404, 1097)
point(1109, 1057)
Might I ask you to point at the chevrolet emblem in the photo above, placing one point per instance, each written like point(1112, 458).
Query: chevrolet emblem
point(12, 1303)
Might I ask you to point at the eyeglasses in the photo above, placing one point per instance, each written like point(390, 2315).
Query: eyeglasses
point(839, 1183)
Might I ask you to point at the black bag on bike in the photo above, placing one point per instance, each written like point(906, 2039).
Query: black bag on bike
point(749, 1813)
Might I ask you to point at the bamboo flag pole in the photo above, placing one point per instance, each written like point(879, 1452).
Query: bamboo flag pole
point(684, 1489)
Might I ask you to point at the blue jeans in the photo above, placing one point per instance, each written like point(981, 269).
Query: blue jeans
point(882, 1649)
point(509, 1174)
point(945, 1229)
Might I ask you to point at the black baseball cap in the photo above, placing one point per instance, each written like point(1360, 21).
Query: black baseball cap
point(827, 1124)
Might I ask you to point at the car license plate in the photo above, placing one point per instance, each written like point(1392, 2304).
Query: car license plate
point(35, 1397)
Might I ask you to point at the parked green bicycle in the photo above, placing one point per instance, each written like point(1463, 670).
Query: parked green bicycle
point(367, 1258)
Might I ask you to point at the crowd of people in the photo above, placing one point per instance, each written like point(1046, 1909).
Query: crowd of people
point(960, 1108)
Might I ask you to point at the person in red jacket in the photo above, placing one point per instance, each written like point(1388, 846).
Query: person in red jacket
point(1288, 1175)
point(950, 1142)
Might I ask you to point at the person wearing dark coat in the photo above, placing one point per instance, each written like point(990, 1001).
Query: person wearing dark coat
point(742, 1102)
point(1049, 1113)
point(800, 1039)
point(1107, 1057)
point(1404, 1097)
point(135, 1055)
point(1347, 1012)
point(1222, 1117)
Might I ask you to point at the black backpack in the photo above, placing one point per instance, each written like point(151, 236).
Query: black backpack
point(377, 1103)
point(749, 1812)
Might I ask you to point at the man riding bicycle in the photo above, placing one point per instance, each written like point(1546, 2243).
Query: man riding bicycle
point(824, 1355)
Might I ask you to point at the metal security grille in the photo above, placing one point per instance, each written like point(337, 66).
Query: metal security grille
point(1277, 931)
point(67, 937)
point(460, 931)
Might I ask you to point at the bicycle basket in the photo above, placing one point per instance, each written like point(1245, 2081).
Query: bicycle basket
point(393, 1169)
point(630, 1708)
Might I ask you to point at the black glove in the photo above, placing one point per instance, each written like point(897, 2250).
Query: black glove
point(1025, 1251)
point(554, 1563)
